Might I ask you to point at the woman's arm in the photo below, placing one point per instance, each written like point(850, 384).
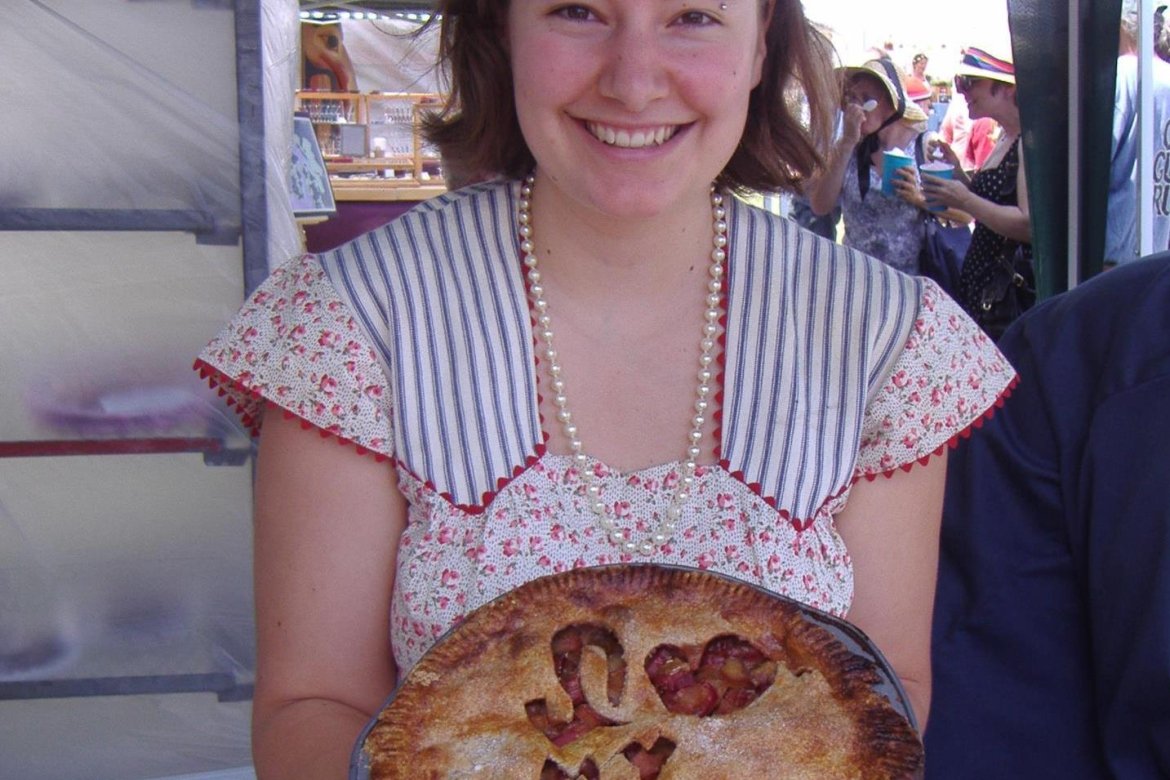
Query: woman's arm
point(906, 185)
point(1009, 221)
point(327, 525)
point(824, 190)
point(891, 529)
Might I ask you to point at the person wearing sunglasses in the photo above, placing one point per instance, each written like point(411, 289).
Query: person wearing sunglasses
point(996, 194)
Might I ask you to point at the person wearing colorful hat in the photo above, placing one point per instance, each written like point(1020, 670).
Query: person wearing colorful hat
point(1051, 636)
point(920, 92)
point(877, 117)
point(995, 195)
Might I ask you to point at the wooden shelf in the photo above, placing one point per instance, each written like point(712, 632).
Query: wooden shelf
point(384, 190)
point(358, 164)
point(390, 121)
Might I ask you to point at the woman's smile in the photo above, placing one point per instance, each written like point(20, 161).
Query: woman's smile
point(632, 138)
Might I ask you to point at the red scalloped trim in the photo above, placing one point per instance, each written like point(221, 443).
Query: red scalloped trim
point(721, 360)
point(802, 524)
point(488, 495)
point(951, 443)
point(798, 524)
point(220, 382)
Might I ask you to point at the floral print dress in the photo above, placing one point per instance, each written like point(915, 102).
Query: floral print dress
point(414, 344)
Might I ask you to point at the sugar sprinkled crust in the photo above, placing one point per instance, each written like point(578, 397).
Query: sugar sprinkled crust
point(501, 696)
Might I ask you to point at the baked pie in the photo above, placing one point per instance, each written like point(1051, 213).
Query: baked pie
point(640, 672)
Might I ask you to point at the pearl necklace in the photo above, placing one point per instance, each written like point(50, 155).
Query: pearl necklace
point(666, 527)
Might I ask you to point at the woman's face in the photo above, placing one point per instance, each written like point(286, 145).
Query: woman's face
point(987, 98)
point(632, 106)
point(862, 88)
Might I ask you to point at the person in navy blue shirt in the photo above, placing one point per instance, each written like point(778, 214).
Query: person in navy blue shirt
point(1051, 652)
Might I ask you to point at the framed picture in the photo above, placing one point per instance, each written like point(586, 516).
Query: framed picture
point(309, 187)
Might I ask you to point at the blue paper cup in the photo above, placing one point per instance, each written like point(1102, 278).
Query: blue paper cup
point(891, 162)
point(943, 171)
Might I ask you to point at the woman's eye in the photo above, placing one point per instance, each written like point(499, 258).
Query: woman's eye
point(576, 13)
point(695, 19)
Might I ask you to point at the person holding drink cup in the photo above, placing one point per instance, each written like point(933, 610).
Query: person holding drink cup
point(996, 195)
point(881, 132)
point(939, 169)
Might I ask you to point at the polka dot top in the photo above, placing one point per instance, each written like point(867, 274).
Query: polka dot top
point(997, 185)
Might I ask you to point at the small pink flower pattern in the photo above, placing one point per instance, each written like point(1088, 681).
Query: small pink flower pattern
point(295, 344)
point(948, 377)
point(539, 524)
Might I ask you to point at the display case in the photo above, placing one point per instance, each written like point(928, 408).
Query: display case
point(372, 143)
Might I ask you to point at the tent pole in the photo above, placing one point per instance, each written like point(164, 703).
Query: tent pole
point(1074, 143)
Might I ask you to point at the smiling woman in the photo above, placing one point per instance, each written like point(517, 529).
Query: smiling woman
point(777, 150)
point(596, 355)
point(637, 70)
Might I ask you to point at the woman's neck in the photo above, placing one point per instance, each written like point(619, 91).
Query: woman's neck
point(1009, 123)
point(588, 249)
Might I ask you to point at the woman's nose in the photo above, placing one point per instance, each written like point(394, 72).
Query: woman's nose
point(635, 71)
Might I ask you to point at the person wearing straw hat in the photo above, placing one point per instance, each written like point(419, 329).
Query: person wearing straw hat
point(996, 195)
point(877, 117)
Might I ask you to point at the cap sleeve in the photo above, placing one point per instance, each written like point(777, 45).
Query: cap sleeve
point(947, 379)
point(297, 345)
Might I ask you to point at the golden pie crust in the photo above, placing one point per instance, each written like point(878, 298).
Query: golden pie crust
point(502, 697)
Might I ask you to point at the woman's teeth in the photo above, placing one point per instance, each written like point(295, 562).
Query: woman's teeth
point(633, 140)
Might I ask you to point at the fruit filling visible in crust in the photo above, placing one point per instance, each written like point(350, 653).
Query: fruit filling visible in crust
point(730, 675)
point(587, 771)
point(567, 646)
point(649, 762)
point(726, 675)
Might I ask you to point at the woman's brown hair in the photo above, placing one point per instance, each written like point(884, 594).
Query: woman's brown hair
point(478, 133)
